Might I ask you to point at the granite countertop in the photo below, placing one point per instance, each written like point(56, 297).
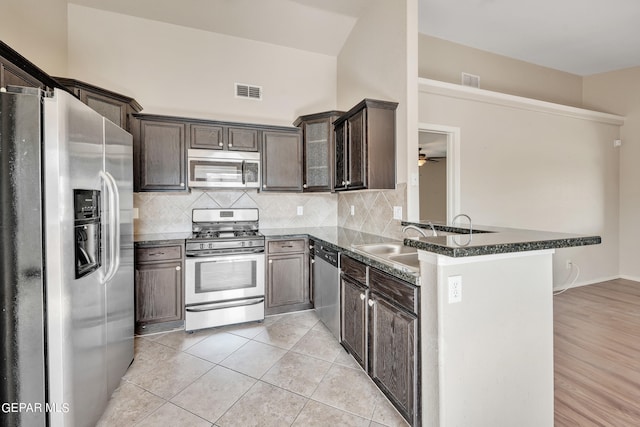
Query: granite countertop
point(488, 240)
point(342, 239)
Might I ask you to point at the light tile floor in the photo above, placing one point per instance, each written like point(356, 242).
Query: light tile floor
point(286, 371)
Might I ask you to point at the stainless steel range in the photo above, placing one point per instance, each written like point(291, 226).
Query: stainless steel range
point(225, 269)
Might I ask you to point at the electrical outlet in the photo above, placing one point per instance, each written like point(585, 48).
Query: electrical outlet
point(569, 264)
point(353, 210)
point(455, 289)
point(300, 210)
point(397, 212)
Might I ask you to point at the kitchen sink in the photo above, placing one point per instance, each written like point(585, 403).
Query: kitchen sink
point(382, 249)
point(410, 260)
point(395, 254)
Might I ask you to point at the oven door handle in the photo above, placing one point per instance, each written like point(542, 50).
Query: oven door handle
point(219, 254)
point(220, 306)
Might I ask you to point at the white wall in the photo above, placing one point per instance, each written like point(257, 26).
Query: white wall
point(176, 70)
point(617, 92)
point(433, 191)
point(536, 170)
point(38, 31)
point(377, 61)
point(446, 61)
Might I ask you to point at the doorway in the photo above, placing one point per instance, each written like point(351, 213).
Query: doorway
point(439, 172)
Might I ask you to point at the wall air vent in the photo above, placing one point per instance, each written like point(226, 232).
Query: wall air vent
point(470, 80)
point(248, 91)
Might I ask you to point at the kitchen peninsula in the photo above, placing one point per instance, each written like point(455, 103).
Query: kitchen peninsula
point(488, 358)
point(487, 325)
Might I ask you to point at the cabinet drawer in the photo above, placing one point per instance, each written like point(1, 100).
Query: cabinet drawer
point(159, 253)
point(401, 293)
point(284, 246)
point(354, 269)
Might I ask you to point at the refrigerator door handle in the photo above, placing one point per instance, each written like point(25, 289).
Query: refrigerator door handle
point(114, 232)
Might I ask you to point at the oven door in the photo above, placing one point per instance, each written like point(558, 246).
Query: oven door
point(224, 277)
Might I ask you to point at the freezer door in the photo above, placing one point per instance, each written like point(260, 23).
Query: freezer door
point(118, 165)
point(22, 352)
point(76, 312)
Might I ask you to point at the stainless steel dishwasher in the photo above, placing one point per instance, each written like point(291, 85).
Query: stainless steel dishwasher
point(326, 283)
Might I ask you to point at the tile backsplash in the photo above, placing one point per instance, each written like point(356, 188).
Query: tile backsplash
point(373, 210)
point(171, 212)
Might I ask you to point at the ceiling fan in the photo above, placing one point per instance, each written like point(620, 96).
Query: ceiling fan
point(422, 158)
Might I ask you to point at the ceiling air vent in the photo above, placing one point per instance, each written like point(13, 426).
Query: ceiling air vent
point(470, 80)
point(248, 91)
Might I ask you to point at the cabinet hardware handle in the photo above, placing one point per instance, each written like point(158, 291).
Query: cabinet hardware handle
point(313, 261)
point(264, 185)
point(344, 183)
point(287, 246)
point(270, 261)
point(371, 302)
point(362, 297)
point(348, 182)
point(156, 253)
point(304, 186)
point(178, 268)
point(182, 184)
point(220, 144)
point(311, 246)
point(230, 145)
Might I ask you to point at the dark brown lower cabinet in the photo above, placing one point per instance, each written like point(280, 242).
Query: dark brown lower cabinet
point(159, 288)
point(393, 354)
point(353, 320)
point(380, 328)
point(287, 285)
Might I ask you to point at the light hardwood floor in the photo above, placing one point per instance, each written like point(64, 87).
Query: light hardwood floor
point(597, 355)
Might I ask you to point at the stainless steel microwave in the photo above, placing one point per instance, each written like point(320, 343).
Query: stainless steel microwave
point(223, 169)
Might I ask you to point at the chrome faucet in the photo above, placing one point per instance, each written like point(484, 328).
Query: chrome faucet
point(466, 216)
point(420, 230)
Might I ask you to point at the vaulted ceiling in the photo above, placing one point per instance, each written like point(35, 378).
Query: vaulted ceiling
point(582, 37)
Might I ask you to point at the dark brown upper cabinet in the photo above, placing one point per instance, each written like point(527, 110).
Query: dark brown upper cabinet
point(282, 160)
point(318, 149)
point(16, 70)
point(114, 106)
point(222, 136)
point(159, 154)
point(365, 147)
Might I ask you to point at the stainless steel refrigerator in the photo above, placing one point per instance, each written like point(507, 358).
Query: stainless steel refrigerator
point(66, 259)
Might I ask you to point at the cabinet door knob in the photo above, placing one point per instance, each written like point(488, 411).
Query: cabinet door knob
point(264, 186)
point(230, 145)
point(348, 182)
point(371, 302)
point(313, 261)
point(344, 183)
point(270, 261)
point(178, 268)
point(220, 144)
point(362, 297)
point(182, 184)
point(304, 185)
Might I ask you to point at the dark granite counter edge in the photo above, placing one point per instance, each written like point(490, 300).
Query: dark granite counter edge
point(461, 251)
point(407, 276)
